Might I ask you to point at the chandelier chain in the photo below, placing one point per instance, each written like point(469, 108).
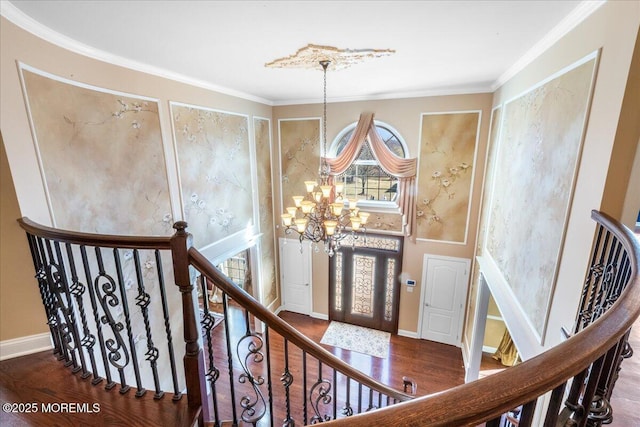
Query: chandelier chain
point(324, 64)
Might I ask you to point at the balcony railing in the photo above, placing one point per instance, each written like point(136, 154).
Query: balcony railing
point(113, 317)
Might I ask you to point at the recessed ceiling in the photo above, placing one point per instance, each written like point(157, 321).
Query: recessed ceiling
point(441, 47)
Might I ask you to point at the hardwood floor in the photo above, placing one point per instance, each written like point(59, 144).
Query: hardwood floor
point(434, 367)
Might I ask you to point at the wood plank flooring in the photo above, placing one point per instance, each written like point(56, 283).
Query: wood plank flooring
point(434, 367)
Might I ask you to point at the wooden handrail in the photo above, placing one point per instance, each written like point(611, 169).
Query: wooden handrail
point(90, 239)
point(284, 329)
point(468, 404)
point(488, 398)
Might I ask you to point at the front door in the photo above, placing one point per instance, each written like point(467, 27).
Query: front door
point(364, 288)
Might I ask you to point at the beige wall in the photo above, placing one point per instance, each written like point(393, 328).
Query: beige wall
point(613, 28)
point(21, 310)
point(404, 116)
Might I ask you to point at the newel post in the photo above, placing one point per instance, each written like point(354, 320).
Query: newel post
point(194, 371)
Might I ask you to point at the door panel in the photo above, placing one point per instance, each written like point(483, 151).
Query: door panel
point(445, 289)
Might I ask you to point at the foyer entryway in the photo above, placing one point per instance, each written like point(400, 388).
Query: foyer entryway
point(363, 283)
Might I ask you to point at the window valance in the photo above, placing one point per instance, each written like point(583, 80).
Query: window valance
point(404, 170)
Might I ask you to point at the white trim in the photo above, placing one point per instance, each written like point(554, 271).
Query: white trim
point(523, 333)
point(466, 354)
point(488, 349)
point(25, 22)
point(479, 89)
point(22, 346)
point(577, 15)
point(320, 316)
point(408, 334)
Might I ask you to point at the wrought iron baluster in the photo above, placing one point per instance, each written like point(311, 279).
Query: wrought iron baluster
point(127, 320)
point(359, 398)
point(347, 411)
point(254, 407)
point(600, 408)
point(143, 300)
point(573, 404)
point(555, 402)
point(320, 393)
point(304, 388)
point(269, 383)
point(287, 380)
point(371, 405)
point(335, 394)
point(232, 392)
point(106, 296)
point(213, 373)
point(96, 318)
point(54, 319)
point(43, 287)
point(167, 326)
point(77, 290)
point(69, 311)
point(55, 277)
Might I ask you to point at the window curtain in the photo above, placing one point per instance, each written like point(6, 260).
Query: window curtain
point(402, 169)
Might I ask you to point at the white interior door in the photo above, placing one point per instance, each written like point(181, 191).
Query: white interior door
point(444, 284)
point(295, 276)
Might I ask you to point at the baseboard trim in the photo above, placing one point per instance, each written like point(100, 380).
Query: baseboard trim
point(408, 334)
point(488, 349)
point(25, 345)
point(321, 316)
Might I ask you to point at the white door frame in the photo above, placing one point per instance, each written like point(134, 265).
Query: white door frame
point(423, 293)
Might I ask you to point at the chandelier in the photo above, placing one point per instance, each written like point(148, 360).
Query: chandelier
point(324, 214)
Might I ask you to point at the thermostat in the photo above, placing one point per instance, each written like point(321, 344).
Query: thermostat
point(411, 282)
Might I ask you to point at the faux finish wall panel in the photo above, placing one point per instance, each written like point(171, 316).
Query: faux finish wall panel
point(101, 156)
point(447, 159)
point(215, 171)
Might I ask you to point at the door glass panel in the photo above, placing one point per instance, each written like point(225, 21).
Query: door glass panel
point(338, 284)
point(389, 288)
point(363, 281)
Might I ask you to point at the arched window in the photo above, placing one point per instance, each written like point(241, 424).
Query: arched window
point(365, 180)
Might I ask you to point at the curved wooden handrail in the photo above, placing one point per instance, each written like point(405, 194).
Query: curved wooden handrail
point(285, 330)
point(468, 404)
point(91, 239)
point(488, 398)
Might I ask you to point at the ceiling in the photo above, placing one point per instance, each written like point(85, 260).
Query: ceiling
point(442, 47)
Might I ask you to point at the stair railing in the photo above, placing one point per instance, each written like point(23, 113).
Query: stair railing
point(237, 378)
point(579, 374)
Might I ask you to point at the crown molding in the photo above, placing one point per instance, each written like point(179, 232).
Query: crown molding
point(391, 95)
point(577, 15)
point(22, 20)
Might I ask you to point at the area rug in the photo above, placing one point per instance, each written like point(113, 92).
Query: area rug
point(356, 338)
